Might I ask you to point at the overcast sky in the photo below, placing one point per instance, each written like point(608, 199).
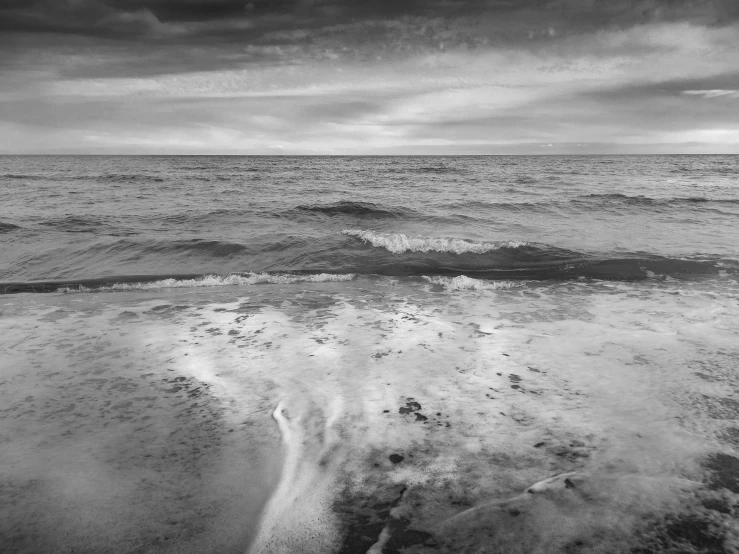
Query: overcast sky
point(369, 77)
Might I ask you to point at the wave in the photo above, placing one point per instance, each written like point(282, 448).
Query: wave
point(487, 273)
point(363, 209)
point(353, 251)
point(397, 254)
point(72, 224)
point(196, 217)
point(482, 209)
point(153, 283)
point(647, 200)
point(132, 248)
point(7, 227)
point(111, 177)
point(714, 170)
point(203, 247)
point(215, 281)
point(596, 201)
point(125, 177)
point(621, 198)
point(462, 282)
point(24, 177)
point(437, 169)
point(399, 243)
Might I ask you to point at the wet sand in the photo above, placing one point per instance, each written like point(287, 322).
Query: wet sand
point(110, 443)
point(371, 417)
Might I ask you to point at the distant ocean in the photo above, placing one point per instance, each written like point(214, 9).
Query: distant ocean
point(100, 221)
point(369, 354)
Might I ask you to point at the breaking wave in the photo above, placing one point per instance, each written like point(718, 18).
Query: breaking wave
point(212, 281)
point(399, 243)
point(462, 282)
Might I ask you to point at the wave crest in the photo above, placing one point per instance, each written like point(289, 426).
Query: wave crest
point(216, 281)
point(399, 243)
point(365, 209)
point(462, 282)
point(7, 227)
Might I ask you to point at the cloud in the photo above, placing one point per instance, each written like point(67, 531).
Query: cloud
point(339, 76)
point(713, 93)
point(138, 21)
point(463, 20)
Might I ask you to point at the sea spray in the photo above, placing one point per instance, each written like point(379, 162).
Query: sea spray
point(399, 243)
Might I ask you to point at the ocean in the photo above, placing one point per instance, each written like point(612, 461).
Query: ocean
point(504, 354)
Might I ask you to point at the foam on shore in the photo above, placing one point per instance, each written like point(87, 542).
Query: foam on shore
point(410, 420)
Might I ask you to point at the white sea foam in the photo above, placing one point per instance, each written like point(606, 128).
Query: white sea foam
point(304, 493)
point(218, 281)
point(462, 282)
point(477, 395)
point(399, 243)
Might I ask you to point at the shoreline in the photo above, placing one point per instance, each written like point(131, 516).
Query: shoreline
point(409, 419)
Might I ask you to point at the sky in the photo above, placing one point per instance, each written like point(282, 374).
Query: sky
point(369, 76)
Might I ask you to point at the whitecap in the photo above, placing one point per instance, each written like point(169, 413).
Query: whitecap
point(217, 281)
point(397, 243)
point(462, 282)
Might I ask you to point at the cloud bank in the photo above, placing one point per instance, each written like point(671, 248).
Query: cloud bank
point(350, 77)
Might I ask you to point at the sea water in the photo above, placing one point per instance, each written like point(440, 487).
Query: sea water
point(393, 354)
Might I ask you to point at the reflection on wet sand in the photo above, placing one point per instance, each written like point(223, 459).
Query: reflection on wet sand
point(372, 417)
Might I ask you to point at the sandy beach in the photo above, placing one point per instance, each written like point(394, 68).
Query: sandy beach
point(529, 419)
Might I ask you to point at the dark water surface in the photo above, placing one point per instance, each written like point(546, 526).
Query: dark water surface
point(106, 219)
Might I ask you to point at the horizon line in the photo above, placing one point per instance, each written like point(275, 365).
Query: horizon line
point(375, 155)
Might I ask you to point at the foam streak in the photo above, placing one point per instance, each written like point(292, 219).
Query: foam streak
point(302, 494)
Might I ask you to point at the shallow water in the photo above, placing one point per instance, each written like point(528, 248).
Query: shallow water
point(373, 415)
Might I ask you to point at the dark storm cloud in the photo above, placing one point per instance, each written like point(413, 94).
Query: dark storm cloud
point(145, 17)
point(192, 35)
